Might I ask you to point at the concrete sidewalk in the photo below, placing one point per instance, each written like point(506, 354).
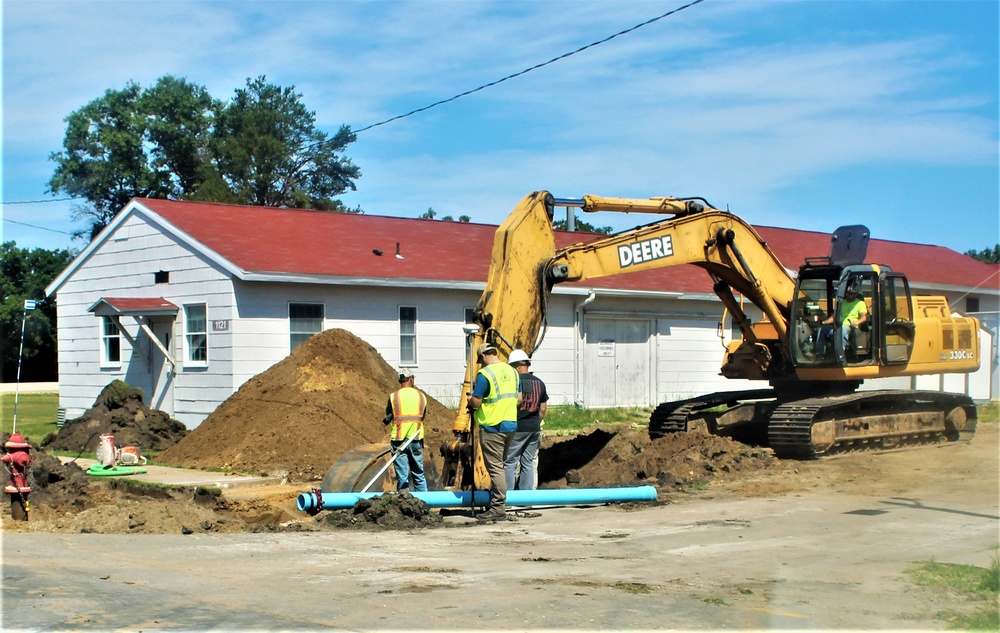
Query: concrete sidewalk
point(185, 476)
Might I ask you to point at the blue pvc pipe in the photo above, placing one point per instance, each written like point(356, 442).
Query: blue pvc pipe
point(313, 502)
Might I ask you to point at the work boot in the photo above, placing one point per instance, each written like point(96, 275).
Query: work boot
point(493, 514)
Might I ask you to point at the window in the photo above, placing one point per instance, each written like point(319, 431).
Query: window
point(971, 305)
point(111, 342)
point(196, 334)
point(304, 320)
point(407, 336)
point(161, 277)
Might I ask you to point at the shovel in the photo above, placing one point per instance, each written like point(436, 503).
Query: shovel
point(396, 453)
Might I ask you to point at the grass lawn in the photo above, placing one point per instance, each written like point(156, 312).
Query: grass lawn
point(36, 414)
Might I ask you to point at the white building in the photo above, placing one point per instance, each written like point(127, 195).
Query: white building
point(189, 300)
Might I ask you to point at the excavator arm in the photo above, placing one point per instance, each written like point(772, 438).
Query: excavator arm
point(525, 265)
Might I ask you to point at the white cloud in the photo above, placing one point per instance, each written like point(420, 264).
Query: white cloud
point(697, 104)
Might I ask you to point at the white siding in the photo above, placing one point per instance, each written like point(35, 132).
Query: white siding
point(124, 266)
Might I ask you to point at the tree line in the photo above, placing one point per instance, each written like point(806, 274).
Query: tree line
point(987, 255)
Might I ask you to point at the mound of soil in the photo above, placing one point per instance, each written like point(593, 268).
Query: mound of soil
point(400, 511)
point(118, 410)
point(627, 457)
point(298, 417)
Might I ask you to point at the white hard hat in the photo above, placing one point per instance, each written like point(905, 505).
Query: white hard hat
point(518, 356)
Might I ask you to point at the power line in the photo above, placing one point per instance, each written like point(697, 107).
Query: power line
point(528, 70)
point(467, 92)
point(40, 201)
point(42, 228)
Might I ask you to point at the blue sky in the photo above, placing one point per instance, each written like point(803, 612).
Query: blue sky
point(808, 115)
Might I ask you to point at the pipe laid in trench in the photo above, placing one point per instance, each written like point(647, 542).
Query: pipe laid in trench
point(313, 502)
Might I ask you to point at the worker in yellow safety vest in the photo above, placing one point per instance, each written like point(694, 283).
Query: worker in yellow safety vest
point(405, 411)
point(494, 401)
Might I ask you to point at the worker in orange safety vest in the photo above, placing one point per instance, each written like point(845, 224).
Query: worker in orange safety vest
point(405, 411)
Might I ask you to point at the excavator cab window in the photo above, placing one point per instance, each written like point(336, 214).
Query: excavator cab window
point(819, 295)
point(859, 347)
point(896, 320)
point(814, 300)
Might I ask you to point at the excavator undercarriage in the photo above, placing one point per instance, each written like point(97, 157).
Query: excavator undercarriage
point(811, 427)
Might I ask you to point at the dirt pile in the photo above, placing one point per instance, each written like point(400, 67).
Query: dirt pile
point(53, 483)
point(400, 511)
point(118, 410)
point(627, 457)
point(64, 498)
point(298, 417)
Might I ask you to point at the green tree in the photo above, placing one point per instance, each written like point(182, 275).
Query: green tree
point(267, 150)
point(24, 274)
point(179, 119)
point(581, 226)
point(174, 140)
point(132, 143)
point(987, 255)
point(430, 214)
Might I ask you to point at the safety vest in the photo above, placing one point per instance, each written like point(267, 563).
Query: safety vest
point(501, 404)
point(408, 406)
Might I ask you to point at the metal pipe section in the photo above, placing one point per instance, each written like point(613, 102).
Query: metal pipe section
point(569, 202)
point(313, 502)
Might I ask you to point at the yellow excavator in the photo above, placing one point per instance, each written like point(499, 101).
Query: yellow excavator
point(812, 405)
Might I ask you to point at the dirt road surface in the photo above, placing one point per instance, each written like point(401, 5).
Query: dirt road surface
point(822, 545)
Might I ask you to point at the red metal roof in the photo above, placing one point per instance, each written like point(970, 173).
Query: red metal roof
point(304, 242)
point(132, 305)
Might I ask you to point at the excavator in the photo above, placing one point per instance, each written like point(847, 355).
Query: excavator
point(811, 406)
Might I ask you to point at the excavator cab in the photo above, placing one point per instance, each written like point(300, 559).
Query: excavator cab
point(879, 332)
point(825, 291)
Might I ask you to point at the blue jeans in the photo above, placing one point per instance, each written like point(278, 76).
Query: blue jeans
point(825, 337)
point(522, 451)
point(410, 462)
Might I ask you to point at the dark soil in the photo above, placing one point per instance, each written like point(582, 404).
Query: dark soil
point(386, 512)
point(118, 410)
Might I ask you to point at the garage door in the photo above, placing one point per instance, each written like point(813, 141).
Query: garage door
point(617, 363)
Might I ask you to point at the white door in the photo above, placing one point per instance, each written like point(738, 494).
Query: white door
point(616, 363)
point(161, 395)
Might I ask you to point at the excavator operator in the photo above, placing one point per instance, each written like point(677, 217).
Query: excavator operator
point(853, 313)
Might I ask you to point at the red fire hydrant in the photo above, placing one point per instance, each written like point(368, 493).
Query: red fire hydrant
point(17, 459)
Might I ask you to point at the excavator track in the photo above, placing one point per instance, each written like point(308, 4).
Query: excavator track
point(808, 428)
point(815, 427)
point(671, 417)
